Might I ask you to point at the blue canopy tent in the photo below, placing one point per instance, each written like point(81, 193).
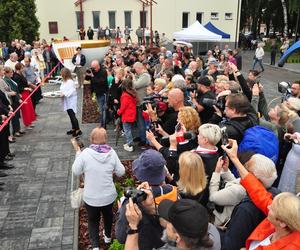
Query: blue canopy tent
point(215, 30)
point(289, 51)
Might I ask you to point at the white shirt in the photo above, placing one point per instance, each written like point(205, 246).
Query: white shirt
point(78, 60)
point(256, 243)
point(259, 53)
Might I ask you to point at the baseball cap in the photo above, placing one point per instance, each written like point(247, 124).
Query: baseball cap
point(188, 217)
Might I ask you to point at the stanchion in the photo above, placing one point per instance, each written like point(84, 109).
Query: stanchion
point(37, 87)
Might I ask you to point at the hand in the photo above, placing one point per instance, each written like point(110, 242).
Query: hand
point(160, 130)
point(233, 67)
point(219, 165)
point(225, 165)
point(261, 88)
point(116, 101)
point(193, 94)
point(13, 93)
point(168, 175)
point(150, 136)
point(231, 149)
point(218, 111)
point(4, 117)
point(75, 145)
point(255, 90)
point(173, 141)
point(133, 214)
point(148, 204)
point(151, 112)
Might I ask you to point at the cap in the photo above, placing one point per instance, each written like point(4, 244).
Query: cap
point(150, 167)
point(188, 217)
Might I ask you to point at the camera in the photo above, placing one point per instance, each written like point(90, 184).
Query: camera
point(89, 71)
point(137, 195)
point(192, 87)
point(285, 89)
point(156, 101)
point(133, 71)
point(220, 103)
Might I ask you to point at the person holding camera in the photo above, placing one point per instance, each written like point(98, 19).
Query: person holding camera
point(79, 61)
point(204, 92)
point(98, 163)
point(148, 167)
point(240, 115)
point(99, 85)
point(141, 80)
point(185, 221)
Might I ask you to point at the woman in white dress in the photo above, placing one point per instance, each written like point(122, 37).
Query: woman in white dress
point(69, 100)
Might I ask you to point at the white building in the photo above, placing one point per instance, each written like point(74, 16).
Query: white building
point(60, 18)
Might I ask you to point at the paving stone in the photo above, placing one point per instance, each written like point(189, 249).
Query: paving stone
point(14, 244)
point(49, 237)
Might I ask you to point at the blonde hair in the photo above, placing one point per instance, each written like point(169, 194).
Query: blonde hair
point(161, 82)
point(222, 78)
point(294, 103)
point(211, 132)
point(98, 136)
point(120, 71)
point(189, 118)
point(192, 178)
point(286, 207)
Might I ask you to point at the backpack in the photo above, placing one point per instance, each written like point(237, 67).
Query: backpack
point(261, 141)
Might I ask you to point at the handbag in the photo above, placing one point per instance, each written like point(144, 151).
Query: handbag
point(76, 195)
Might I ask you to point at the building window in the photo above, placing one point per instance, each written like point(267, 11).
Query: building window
point(78, 19)
point(96, 19)
point(185, 19)
point(112, 19)
point(127, 15)
point(53, 28)
point(199, 16)
point(143, 19)
point(214, 15)
point(228, 16)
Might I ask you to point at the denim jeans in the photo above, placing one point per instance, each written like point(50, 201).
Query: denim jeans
point(127, 126)
point(101, 99)
point(141, 123)
point(259, 61)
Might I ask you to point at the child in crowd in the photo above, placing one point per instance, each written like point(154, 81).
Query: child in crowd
point(110, 77)
point(150, 92)
point(128, 111)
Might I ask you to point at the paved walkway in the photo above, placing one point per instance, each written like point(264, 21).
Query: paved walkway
point(35, 210)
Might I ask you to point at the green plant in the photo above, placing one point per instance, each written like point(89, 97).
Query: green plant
point(120, 190)
point(129, 182)
point(116, 245)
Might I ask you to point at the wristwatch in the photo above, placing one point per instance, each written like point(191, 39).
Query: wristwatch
point(132, 231)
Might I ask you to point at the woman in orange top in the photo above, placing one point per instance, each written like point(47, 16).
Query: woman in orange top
point(281, 228)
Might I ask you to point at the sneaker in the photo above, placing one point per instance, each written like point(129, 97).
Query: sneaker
point(95, 248)
point(107, 240)
point(128, 148)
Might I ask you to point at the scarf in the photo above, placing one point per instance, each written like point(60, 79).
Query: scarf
point(102, 148)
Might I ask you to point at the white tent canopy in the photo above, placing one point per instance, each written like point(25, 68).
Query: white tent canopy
point(196, 32)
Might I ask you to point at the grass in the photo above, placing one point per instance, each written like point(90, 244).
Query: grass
point(293, 58)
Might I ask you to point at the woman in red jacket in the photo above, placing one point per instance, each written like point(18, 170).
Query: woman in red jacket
point(281, 228)
point(128, 111)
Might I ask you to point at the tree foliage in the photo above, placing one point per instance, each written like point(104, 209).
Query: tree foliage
point(271, 13)
point(18, 20)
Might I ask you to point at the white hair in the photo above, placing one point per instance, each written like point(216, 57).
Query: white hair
point(210, 131)
point(264, 169)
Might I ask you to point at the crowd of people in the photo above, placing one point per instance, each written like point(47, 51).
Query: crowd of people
point(219, 168)
point(22, 68)
point(116, 35)
point(202, 182)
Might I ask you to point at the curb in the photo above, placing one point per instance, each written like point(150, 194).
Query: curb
point(276, 67)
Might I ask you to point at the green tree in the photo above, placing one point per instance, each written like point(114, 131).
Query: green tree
point(18, 20)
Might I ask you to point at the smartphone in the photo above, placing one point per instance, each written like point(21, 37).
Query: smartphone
point(224, 138)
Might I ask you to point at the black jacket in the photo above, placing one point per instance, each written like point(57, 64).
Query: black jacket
point(244, 219)
point(82, 59)
point(99, 84)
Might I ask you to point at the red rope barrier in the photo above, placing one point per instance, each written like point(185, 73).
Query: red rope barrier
point(38, 86)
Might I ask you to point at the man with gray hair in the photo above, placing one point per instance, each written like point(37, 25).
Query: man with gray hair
point(246, 216)
point(141, 80)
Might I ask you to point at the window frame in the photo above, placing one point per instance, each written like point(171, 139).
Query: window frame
point(214, 15)
point(94, 13)
point(53, 29)
point(187, 21)
point(109, 23)
point(130, 18)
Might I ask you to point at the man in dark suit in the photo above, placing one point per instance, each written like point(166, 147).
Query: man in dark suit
point(79, 61)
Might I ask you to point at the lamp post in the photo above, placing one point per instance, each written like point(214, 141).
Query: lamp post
point(237, 24)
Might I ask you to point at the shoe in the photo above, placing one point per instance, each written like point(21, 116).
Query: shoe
point(77, 133)
point(142, 143)
point(3, 174)
point(137, 139)
point(8, 158)
point(70, 132)
point(18, 134)
point(22, 132)
point(128, 148)
point(11, 140)
point(6, 166)
point(11, 154)
point(107, 240)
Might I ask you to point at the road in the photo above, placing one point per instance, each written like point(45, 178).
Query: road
point(270, 77)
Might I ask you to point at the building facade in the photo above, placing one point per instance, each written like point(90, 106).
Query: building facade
point(60, 18)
